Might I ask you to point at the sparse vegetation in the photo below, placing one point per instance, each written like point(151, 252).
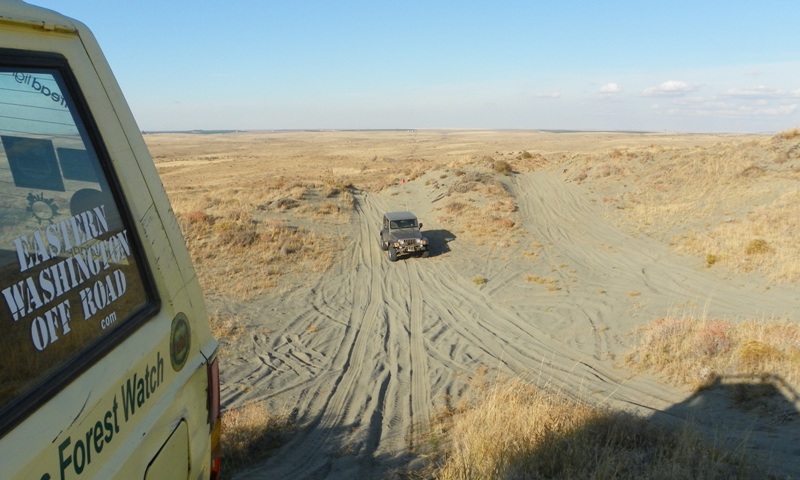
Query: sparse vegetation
point(502, 166)
point(239, 256)
point(225, 325)
point(454, 207)
point(540, 280)
point(517, 430)
point(711, 259)
point(244, 239)
point(694, 351)
point(479, 206)
point(249, 434)
point(789, 134)
point(758, 246)
point(697, 208)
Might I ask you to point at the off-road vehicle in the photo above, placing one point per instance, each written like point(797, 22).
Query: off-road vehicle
point(110, 368)
point(401, 235)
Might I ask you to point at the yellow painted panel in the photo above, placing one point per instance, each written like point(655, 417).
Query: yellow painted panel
point(172, 461)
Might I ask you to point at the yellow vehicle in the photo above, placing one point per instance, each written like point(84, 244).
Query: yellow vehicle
point(109, 366)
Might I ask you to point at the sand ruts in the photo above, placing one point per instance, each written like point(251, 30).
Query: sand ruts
point(392, 342)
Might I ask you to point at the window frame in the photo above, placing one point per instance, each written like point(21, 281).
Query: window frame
point(50, 385)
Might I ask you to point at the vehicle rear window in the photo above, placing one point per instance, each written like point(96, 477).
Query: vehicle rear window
point(71, 277)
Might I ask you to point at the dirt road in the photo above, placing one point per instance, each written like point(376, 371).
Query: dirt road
point(365, 354)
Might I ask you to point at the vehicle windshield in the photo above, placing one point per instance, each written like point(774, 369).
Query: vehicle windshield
point(405, 223)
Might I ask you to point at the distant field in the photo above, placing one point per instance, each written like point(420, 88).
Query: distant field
point(641, 277)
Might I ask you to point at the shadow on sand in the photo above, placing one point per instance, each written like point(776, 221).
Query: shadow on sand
point(758, 413)
point(339, 457)
point(758, 416)
point(439, 240)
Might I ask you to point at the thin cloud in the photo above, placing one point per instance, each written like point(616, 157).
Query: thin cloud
point(737, 103)
point(669, 88)
point(549, 95)
point(780, 110)
point(610, 88)
point(756, 92)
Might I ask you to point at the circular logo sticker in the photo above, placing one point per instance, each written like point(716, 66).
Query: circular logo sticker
point(180, 339)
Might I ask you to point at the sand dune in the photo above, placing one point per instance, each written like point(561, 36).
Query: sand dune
point(365, 353)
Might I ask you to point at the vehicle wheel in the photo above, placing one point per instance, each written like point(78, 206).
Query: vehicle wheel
point(392, 254)
point(426, 254)
point(384, 245)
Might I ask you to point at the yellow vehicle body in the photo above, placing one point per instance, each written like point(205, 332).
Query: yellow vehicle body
point(109, 365)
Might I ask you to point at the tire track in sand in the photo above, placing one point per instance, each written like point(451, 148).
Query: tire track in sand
point(369, 400)
point(622, 281)
point(402, 337)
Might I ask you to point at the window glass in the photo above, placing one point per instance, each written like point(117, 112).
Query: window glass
point(405, 223)
point(69, 276)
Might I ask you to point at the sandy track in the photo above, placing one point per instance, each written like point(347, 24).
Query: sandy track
point(611, 265)
point(370, 350)
point(370, 386)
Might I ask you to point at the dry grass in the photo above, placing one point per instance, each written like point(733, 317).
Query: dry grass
point(790, 134)
point(244, 233)
point(225, 325)
point(540, 280)
point(691, 351)
point(246, 225)
point(551, 284)
point(249, 434)
point(479, 280)
point(708, 201)
point(239, 256)
point(478, 204)
point(502, 166)
point(255, 206)
point(516, 430)
point(763, 240)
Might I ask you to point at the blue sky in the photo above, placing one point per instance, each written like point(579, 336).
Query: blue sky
point(683, 66)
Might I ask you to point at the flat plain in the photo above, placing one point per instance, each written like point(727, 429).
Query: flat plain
point(550, 252)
